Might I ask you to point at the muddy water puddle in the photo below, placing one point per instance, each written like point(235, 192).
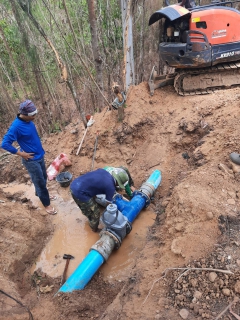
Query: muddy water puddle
point(72, 235)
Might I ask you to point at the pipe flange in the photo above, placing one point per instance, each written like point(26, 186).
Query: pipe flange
point(140, 193)
point(128, 227)
point(117, 241)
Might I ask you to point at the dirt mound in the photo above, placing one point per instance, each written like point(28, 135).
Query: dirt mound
point(197, 211)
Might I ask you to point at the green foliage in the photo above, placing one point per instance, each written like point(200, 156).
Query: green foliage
point(11, 35)
point(111, 24)
point(6, 4)
point(51, 17)
point(55, 127)
point(36, 61)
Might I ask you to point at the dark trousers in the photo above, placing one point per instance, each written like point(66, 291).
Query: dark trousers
point(38, 174)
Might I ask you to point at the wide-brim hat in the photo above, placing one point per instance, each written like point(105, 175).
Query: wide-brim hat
point(122, 179)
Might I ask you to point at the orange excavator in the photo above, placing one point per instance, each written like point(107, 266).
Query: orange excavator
point(202, 44)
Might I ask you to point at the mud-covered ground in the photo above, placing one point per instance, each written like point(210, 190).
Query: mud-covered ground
point(189, 267)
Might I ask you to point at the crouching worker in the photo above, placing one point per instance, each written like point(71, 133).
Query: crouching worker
point(86, 187)
point(123, 179)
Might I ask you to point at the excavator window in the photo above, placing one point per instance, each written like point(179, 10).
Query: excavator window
point(174, 30)
point(201, 25)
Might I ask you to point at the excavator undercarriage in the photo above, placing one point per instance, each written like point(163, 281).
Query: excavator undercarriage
point(198, 81)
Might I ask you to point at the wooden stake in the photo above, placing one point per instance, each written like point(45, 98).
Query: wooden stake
point(120, 113)
point(79, 148)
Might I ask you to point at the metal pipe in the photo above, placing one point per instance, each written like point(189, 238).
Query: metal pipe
point(101, 250)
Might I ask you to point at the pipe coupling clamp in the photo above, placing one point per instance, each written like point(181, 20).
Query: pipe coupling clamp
point(104, 245)
point(148, 189)
point(116, 238)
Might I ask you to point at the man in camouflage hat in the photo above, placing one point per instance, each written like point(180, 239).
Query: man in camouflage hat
point(122, 177)
point(86, 187)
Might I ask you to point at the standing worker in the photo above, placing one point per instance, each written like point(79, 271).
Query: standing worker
point(86, 187)
point(23, 131)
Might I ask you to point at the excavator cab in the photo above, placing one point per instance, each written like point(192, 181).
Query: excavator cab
point(174, 31)
point(181, 46)
point(194, 38)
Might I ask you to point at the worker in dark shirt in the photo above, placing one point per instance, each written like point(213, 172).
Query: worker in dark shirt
point(86, 187)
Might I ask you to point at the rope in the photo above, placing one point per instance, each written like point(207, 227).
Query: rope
point(30, 314)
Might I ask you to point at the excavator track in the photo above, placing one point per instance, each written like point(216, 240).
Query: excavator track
point(207, 80)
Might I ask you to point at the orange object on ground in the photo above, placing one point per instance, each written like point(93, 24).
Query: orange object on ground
point(58, 165)
point(88, 117)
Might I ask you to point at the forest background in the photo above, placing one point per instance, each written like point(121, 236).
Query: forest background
point(60, 52)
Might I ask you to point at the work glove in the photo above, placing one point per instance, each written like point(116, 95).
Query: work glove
point(101, 199)
point(128, 190)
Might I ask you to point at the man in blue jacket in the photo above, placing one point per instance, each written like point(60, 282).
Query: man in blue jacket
point(23, 131)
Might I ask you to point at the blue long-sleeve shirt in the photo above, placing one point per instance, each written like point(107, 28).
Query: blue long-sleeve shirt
point(93, 183)
point(25, 133)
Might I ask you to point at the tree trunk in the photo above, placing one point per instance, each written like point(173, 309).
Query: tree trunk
point(95, 47)
point(28, 48)
point(4, 70)
point(61, 64)
point(141, 53)
point(128, 72)
point(12, 61)
point(8, 100)
point(74, 50)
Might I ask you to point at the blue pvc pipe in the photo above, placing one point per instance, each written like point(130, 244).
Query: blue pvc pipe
point(93, 261)
point(155, 178)
point(130, 209)
point(84, 272)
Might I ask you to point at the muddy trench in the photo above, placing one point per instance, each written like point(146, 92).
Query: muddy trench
point(192, 222)
point(28, 280)
point(27, 274)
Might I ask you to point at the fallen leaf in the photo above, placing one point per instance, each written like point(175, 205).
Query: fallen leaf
point(46, 289)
